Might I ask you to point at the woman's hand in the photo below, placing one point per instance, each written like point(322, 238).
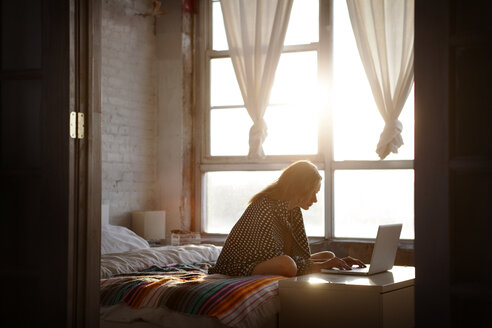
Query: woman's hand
point(345, 263)
point(330, 264)
point(338, 263)
point(352, 261)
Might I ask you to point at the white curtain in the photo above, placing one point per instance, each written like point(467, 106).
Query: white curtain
point(255, 31)
point(384, 33)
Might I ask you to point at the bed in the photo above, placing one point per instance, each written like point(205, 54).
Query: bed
point(169, 286)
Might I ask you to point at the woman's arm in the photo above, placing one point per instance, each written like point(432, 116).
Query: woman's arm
point(322, 256)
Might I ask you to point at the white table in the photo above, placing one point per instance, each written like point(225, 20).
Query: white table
point(324, 300)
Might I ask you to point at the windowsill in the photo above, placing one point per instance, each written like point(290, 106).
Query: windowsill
point(215, 239)
point(406, 244)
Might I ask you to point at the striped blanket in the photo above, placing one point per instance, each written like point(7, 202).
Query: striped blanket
point(229, 299)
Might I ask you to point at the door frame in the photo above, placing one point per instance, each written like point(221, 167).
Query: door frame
point(85, 185)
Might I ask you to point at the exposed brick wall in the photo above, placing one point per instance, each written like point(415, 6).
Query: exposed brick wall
point(129, 109)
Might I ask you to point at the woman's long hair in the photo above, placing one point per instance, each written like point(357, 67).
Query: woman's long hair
point(298, 179)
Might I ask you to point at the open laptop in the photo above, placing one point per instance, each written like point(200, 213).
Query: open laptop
point(383, 255)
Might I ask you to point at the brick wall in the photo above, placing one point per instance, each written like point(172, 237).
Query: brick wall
point(129, 109)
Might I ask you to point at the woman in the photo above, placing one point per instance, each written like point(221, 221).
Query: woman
point(269, 238)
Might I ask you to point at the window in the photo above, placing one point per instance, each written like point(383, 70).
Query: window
point(321, 108)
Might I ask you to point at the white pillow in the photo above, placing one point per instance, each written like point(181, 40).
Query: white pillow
point(117, 239)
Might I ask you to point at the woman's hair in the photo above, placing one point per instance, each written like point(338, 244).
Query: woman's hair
point(295, 182)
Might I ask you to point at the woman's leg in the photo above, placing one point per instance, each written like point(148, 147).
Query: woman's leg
point(322, 256)
point(282, 265)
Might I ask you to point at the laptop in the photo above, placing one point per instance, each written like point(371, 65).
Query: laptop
point(383, 255)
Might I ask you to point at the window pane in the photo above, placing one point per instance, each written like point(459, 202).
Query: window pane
point(291, 130)
point(303, 23)
point(296, 79)
point(364, 199)
point(224, 88)
point(357, 123)
point(219, 38)
point(314, 217)
point(237, 187)
point(229, 132)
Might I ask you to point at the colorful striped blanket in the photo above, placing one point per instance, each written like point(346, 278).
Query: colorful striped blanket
point(190, 290)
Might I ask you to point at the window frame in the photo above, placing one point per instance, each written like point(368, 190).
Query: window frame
point(324, 160)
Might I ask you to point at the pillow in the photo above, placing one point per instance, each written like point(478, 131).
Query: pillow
point(117, 239)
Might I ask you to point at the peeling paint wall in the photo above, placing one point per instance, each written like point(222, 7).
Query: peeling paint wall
point(147, 127)
point(174, 120)
point(129, 109)
point(187, 199)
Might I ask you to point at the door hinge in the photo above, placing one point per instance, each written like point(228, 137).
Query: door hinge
point(77, 125)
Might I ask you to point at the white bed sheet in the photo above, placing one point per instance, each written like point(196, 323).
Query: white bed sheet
point(137, 260)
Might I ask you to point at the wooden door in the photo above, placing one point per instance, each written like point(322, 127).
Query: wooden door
point(453, 162)
point(47, 227)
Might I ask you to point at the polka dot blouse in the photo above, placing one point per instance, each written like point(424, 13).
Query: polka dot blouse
point(266, 229)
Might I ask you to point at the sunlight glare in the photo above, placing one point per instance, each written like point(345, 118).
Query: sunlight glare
point(316, 280)
point(357, 121)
